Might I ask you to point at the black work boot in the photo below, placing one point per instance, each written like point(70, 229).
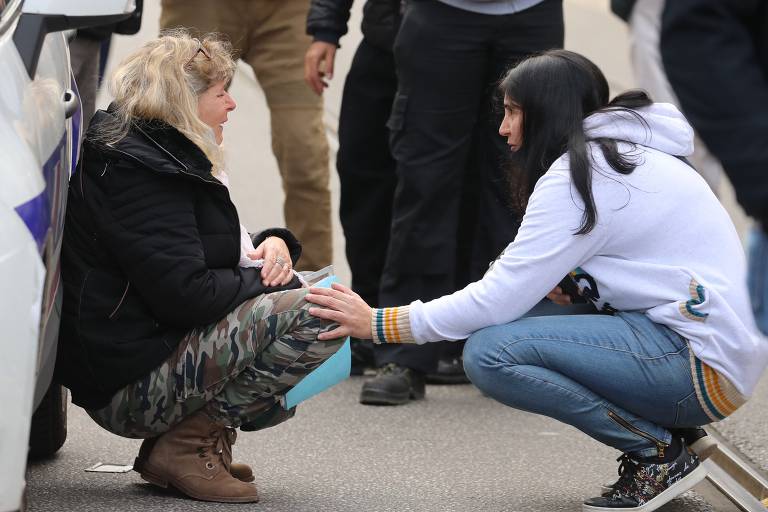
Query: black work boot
point(450, 370)
point(645, 486)
point(393, 385)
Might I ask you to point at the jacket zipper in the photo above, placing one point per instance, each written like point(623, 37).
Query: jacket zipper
point(660, 446)
point(125, 292)
point(212, 181)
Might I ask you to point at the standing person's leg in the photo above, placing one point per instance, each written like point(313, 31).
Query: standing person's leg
point(440, 58)
point(517, 36)
point(224, 375)
point(648, 70)
point(197, 16)
point(366, 175)
point(622, 380)
point(366, 167)
point(487, 223)
point(277, 46)
point(84, 53)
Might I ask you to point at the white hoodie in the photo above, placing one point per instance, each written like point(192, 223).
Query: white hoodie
point(663, 245)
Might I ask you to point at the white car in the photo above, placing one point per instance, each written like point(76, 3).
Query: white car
point(39, 143)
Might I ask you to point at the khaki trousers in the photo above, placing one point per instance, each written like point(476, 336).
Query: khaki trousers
point(269, 36)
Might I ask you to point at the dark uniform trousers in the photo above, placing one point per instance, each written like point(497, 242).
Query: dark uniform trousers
point(450, 215)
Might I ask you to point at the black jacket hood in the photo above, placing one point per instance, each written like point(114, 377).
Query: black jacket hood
point(153, 144)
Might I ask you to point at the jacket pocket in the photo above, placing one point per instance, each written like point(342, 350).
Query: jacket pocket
point(122, 300)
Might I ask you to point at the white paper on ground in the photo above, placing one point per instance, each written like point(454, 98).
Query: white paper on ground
point(101, 467)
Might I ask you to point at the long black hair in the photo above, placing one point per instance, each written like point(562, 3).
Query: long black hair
point(556, 90)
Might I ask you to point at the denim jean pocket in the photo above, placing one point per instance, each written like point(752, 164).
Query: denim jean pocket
point(690, 413)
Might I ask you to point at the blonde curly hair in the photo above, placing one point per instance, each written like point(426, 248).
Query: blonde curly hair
point(163, 79)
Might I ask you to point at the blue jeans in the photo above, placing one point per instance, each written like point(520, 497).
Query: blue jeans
point(757, 277)
point(622, 379)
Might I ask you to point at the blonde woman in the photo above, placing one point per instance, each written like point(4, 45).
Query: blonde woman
point(165, 335)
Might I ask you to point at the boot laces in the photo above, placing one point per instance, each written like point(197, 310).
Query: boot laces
point(389, 369)
point(214, 446)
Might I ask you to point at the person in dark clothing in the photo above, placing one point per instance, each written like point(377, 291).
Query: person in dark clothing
point(450, 216)
point(364, 162)
point(704, 45)
point(170, 331)
point(88, 53)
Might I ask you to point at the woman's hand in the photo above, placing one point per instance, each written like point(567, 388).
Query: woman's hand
point(277, 261)
point(559, 297)
point(344, 307)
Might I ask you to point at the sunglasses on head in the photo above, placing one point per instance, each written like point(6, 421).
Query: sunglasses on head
point(200, 49)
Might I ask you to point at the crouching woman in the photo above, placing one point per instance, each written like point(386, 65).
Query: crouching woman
point(168, 333)
point(610, 202)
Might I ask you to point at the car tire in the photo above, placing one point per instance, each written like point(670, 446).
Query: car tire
point(49, 423)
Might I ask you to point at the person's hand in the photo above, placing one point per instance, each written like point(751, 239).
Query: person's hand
point(277, 261)
point(344, 307)
point(559, 297)
point(319, 54)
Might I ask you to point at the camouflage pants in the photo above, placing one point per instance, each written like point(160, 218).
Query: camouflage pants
point(236, 369)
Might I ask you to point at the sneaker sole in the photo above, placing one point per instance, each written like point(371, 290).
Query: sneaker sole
point(678, 488)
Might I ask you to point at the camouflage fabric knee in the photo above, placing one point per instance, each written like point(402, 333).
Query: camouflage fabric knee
point(237, 368)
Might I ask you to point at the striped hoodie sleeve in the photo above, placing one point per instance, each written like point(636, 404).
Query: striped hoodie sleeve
point(391, 325)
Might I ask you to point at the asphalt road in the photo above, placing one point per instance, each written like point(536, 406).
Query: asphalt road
point(455, 451)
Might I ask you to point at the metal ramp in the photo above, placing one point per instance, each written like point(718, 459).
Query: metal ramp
point(732, 483)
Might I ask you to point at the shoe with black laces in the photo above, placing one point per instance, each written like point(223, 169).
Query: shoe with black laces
point(694, 437)
point(644, 486)
point(393, 385)
point(449, 371)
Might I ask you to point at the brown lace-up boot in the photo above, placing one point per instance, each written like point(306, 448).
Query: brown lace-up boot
point(190, 457)
point(242, 472)
point(238, 470)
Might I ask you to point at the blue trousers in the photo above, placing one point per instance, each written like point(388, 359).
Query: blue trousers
point(623, 379)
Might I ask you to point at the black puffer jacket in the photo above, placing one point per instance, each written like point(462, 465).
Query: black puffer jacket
point(151, 250)
point(327, 21)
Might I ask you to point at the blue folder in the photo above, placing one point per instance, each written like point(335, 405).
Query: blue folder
point(334, 370)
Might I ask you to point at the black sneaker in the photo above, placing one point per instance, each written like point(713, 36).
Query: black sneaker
point(645, 486)
point(393, 385)
point(449, 371)
point(695, 437)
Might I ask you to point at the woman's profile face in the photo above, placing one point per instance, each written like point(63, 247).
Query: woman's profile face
point(213, 107)
point(512, 125)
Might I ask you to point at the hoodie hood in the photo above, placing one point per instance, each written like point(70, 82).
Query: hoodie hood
point(667, 130)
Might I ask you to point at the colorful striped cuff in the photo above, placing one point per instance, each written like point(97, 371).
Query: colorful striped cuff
point(717, 396)
point(391, 325)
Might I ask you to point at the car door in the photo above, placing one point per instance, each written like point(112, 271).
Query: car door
point(37, 147)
